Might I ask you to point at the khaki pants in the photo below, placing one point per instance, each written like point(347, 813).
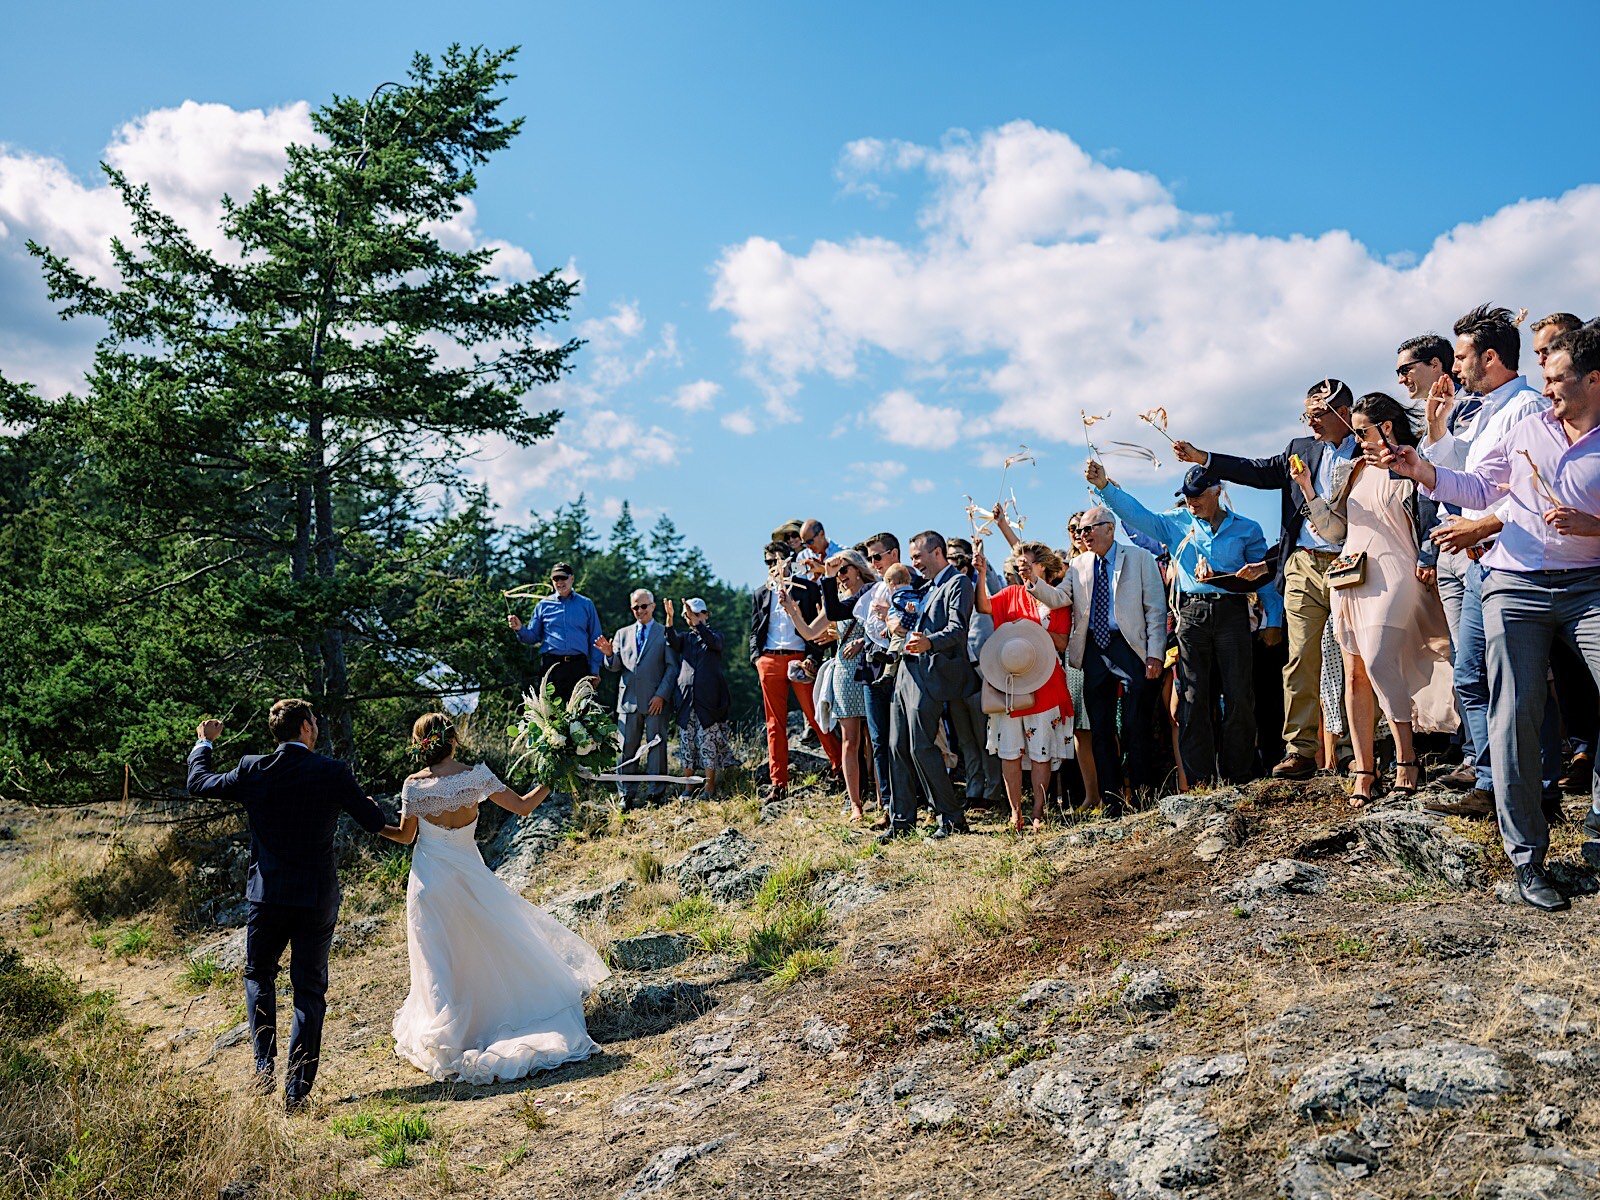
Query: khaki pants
point(1306, 609)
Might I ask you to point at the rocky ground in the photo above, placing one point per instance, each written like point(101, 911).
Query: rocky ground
point(1248, 992)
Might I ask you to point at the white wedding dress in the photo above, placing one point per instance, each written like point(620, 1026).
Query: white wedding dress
point(497, 985)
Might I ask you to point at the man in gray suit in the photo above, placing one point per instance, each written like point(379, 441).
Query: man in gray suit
point(933, 672)
point(649, 670)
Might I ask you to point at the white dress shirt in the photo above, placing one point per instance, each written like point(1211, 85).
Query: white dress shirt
point(781, 633)
point(1475, 439)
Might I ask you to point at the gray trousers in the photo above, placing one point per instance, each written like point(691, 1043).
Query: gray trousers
point(1452, 563)
point(915, 758)
point(972, 733)
point(638, 728)
point(1522, 614)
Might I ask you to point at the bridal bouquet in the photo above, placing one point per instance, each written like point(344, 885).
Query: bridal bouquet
point(563, 738)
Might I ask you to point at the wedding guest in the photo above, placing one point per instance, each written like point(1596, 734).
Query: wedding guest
point(1547, 329)
point(932, 673)
point(883, 553)
point(1421, 363)
point(1389, 621)
point(1118, 641)
point(703, 699)
point(1303, 556)
point(1542, 478)
point(564, 627)
point(785, 662)
point(292, 799)
point(1035, 721)
point(984, 784)
point(1465, 427)
point(846, 693)
point(1210, 545)
point(648, 665)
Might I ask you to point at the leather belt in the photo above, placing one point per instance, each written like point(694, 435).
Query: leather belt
point(1474, 553)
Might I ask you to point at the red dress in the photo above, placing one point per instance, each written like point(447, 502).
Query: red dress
point(1013, 603)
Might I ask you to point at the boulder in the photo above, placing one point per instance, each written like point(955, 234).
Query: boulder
point(521, 842)
point(1424, 846)
point(1185, 808)
point(1443, 1075)
point(1061, 1098)
point(740, 885)
point(1170, 1147)
point(624, 1009)
point(820, 1037)
point(932, 1112)
point(842, 894)
point(664, 1167)
point(1191, 1073)
point(1149, 992)
point(1318, 1169)
point(1536, 1181)
point(570, 908)
point(651, 951)
point(1047, 995)
point(1280, 877)
point(226, 951)
point(352, 935)
point(711, 862)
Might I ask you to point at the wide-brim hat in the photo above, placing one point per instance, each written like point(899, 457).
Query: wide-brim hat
point(1018, 657)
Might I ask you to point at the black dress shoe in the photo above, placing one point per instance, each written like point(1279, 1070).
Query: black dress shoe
point(892, 835)
point(1580, 774)
point(1554, 814)
point(1591, 823)
point(1479, 803)
point(939, 832)
point(1535, 888)
point(295, 1104)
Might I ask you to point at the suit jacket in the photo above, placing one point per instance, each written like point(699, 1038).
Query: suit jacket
point(647, 672)
point(1270, 474)
point(292, 799)
point(1138, 599)
point(807, 596)
point(943, 672)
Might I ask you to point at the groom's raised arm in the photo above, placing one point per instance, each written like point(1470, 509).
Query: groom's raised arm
point(203, 781)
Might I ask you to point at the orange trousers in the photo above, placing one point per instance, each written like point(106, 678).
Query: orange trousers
point(773, 672)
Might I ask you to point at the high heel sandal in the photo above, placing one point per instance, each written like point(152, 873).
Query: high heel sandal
point(1356, 801)
point(1400, 789)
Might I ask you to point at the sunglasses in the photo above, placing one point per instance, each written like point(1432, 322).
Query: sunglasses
point(878, 557)
point(642, 607)
point(1405, 368)
point(1320, 414)
point(559, 578)
point(1083, 530)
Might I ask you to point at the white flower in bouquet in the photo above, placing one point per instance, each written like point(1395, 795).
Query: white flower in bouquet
point(586, 748)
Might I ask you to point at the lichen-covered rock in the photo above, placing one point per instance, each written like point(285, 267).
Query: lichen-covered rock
point(520, 842)
point(1425, 846)
point(1280, 877)
point(632, 1008)
point(1170, 1147)
point(664, 1167)
point(1149, 992)
point(651, 951)
point(1444, 1075)
point(572, 907)
point(1536, 1181)
point(712, 861)
point(226, 951)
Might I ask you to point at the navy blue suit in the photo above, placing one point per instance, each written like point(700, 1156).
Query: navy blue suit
point(292, 799)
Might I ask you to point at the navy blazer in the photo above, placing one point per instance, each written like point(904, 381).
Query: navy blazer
point(292, 798)
point(702, 680)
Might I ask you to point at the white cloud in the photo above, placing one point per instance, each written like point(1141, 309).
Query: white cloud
point(922, 486)
point(872, 485)
point(1060, 284)
point(740, 422)
point(694, 397)
point(906, 421)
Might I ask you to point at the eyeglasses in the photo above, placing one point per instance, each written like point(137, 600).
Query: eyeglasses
point(1311, 416)
point(559, 578)
point(642, 607)
point(1402, 370)
point(878, 557)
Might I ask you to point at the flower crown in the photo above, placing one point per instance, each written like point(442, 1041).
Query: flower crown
point(418, 752)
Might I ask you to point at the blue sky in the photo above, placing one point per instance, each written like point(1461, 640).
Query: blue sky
point(1237, 198)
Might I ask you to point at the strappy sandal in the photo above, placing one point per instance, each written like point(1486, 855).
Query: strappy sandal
point(1400, 789)
point(1356, 801)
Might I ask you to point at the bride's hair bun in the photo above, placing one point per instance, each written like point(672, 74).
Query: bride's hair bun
point(432, 739)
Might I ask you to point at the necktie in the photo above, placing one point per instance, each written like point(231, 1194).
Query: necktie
point(1100, 605)
point(638, 643)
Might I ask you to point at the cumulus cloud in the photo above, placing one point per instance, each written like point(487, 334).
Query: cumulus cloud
point(1042, 282)
point(872, 485)
point(694, 397)
point(740, 422)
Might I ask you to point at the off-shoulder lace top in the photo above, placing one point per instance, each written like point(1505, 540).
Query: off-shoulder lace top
point(430, 796)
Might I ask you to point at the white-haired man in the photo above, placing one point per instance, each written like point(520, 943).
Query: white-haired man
point(649, 669)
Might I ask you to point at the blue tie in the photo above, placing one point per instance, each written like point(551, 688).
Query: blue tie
point(638, 644)
point(1100, 605)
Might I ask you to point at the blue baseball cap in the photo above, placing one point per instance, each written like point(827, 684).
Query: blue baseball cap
point(1197, 482)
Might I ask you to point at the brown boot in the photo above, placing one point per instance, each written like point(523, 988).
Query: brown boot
point(1295, 766)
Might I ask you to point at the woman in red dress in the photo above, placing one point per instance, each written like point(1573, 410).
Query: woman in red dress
point(1043, 730)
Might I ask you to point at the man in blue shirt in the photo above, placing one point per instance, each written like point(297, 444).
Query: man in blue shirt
point(1217, 555)
point(564, 627)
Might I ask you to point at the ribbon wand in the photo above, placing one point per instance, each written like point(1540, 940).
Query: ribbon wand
point(1156, 418)
point(1087, 422)
point(1538, 480)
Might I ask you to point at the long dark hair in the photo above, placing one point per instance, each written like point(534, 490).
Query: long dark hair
point(1379, 407)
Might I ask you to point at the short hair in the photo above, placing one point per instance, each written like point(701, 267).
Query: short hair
point(898, 575)
point(932, 539)
point(286, 718)
point(887, 540)
point(1378, 407)
point(779, 547)
point(1335, 393)
point(1564, 322)
point(645, 592)
point(1492, 329)
point(957, 545)
point(1099, 508)
point(1429, 347)
point(562, 568)
point(1583, 344)
point(815, 526)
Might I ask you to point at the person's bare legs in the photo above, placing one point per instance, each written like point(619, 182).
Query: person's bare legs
point(1361, 707)
point(1011, 773)
point(1405, 751)
point(1041, 788)
point(850, 761)
point(710, 788)
point(1083, 745)
point(1170, 693)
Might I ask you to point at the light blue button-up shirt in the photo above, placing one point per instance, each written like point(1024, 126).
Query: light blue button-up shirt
point(1323, 482)
point(1236, 541)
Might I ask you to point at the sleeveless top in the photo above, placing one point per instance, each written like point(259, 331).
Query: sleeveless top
point(441, 793)
point(1015, 603)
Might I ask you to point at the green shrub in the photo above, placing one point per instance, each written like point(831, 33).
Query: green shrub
point(795, 927)
point(202, 972)
point(133, 940)
point(801, 964)
point(32, 999)
point(389, 1136)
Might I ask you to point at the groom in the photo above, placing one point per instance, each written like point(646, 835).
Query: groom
point(292, 798)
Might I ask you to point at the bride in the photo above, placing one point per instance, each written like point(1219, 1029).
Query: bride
point(497, 985)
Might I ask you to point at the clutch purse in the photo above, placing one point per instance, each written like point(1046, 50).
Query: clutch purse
point(1348, 570)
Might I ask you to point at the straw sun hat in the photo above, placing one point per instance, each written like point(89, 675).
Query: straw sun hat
point(1018, 657)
